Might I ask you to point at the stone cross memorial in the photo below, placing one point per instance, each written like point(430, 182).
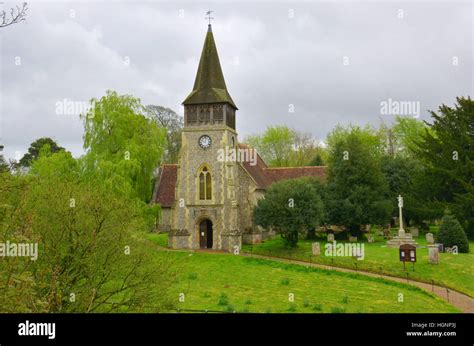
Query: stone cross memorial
point(402, 237)
point(401, 231)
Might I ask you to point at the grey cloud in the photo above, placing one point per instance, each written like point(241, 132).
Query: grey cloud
point(281, 61)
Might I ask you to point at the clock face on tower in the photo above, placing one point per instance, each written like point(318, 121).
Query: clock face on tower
point(205, 141)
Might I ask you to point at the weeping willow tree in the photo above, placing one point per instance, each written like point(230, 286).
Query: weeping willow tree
point(122, 145)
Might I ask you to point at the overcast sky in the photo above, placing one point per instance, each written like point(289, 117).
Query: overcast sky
point(334, 62)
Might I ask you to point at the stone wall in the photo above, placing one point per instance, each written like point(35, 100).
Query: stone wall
point(179, 239)
point(222, 209)
point(231, 241)
point(164, 220)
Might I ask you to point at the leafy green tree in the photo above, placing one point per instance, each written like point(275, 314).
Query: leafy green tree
point(357, 190)
point(34, 150)
point(407, 131)
point(281, 146)
point(370, 138)
point(290, 207)
point(4, 166)
point(404, 175)
point(123, 147)
point(447, 153)
point(173, 123)
point(275, 145)
point(18, 293)
point(451, 233)
point(317, 161)
point(91, 257)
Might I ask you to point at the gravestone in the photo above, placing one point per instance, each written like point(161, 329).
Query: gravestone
point(352, 239)
point(330, 237)
point(386, 233)
point(429, 238)
point(414, 232)
point(440, 247)
point(316, 249)
point(370, 238)
point(453, 250)
point(329, 247)
point(433, 252)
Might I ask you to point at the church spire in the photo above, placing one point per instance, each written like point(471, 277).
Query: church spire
point(209, 86)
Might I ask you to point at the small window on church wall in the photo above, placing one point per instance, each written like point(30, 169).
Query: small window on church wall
point(205, 185)
point(208, 186)
point(201, 186)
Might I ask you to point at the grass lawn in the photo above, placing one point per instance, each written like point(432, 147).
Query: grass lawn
point(453, 271)
point(225, 282)
point(159, 238)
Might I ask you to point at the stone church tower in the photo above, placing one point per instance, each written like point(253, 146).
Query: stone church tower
point(206, 208)
point(207, 202)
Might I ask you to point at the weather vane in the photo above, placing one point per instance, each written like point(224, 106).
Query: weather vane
point(208, 14)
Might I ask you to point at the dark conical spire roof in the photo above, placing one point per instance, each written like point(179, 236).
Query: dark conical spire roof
point(209, 86)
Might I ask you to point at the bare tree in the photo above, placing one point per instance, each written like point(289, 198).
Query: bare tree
point(173, 122)
point(17, 15)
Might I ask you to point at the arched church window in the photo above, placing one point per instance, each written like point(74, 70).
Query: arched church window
point(205, 184)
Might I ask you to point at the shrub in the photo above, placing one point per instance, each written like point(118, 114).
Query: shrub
point(345, 299)
point(248, 302)
point(317, 307)
point(223, 299)
point(452, 234)
point(230, 308)
point(337, 310)
point(306, 303)
point(285, 281)
point(292, 307)
point(192, 276)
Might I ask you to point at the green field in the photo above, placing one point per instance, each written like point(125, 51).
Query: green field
point(227, 283)
point(453, 271)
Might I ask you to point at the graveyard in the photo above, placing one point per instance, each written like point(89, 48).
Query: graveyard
point(248, 285)
point(454, 271)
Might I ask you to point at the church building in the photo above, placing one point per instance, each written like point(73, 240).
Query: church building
point(206, 199)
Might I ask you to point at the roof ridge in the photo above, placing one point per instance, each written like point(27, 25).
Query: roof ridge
point(297, 167)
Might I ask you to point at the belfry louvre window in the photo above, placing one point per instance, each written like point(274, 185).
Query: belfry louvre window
point(205, 184)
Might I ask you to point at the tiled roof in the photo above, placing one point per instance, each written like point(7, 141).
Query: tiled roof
point(166, 185)
point(264, 176)
point(256, 171)
point(282, 173)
